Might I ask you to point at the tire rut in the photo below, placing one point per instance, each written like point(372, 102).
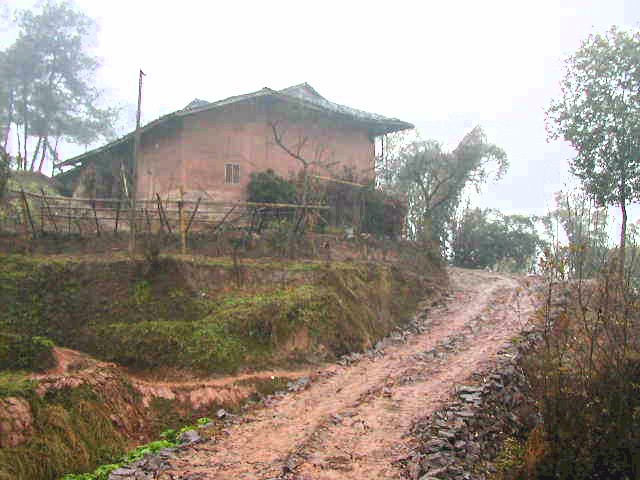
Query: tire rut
point(354, 422)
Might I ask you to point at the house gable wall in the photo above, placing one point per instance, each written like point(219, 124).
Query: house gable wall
point(194, 155)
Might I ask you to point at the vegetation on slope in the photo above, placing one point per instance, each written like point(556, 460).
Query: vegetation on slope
point(70, 429)
point(204, 315)
point(21, 352)
point(121, 313)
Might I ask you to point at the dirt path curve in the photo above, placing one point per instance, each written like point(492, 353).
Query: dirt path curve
point(353, 421)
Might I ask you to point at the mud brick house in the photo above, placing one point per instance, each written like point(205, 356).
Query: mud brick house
point(210, 149)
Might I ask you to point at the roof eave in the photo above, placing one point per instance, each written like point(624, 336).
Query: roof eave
point(389, 126)
point(96, 151)
point(377, 127)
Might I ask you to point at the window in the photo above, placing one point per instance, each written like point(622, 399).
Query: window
point(231, 173)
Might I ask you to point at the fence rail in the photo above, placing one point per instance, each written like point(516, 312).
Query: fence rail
point(37, 214)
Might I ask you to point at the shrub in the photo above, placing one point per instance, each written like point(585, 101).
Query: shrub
point(383, 215)
point(269, 187)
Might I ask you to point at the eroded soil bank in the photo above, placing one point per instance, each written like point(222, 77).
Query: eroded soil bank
point(144, 347)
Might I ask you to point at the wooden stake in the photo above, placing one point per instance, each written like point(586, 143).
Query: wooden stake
point(95, 217)
point(117, 216)
point(41, 217)
point(162, 213)
point(224, 219)
point(51, 219)
point(193, 214)
point(146, 214)
point(183, 231)
point(27, 212)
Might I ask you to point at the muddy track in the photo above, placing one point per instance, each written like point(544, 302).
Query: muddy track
point(353, 422)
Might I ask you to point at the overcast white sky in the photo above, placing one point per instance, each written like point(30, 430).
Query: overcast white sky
point(443, 66)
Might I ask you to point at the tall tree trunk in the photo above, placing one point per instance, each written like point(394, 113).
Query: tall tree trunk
point(623, 238)
point(53, 152)
point(26, 125)
point(26, 131)
point(35, 154)
point(9, 122)
point(19, 148)
point(44, 151)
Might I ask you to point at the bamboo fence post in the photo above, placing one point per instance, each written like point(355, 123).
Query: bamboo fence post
point(27, 212)
point(193, 214)
point(163, 214)
point(69, 216)
point(224, 219)
point(117, 216)
point(95, 217)
point(41, 214)
point(146, 214)
point(159, 208)
point(51, 219)
point(41, 217)
point(183, 232)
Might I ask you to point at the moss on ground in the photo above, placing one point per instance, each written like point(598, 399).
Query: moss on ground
point(125, 312)
point(19, 352)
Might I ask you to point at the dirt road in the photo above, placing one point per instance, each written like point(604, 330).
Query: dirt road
point(353, 421)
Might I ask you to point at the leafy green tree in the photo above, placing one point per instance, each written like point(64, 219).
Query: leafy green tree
point(486, 238)
point(599, 114)
point(434, 179)
point(47, 84)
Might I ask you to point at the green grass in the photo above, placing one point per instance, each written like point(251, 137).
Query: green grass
point(118, 312)
point(20, 352)
point(72, 430)
point(170, 438)
point(16, 384)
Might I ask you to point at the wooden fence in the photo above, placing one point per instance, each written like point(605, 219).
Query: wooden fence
point(38, 214)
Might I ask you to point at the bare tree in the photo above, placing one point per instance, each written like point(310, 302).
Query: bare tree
point(320, 159)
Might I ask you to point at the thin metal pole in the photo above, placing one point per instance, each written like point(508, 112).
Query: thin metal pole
point(134, 172)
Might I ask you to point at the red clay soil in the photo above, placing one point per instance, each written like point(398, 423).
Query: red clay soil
point(76, 368)
point(354, 421)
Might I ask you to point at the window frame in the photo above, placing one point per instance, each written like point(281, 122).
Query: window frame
point(231, 173)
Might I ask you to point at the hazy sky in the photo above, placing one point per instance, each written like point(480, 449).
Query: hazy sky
point(443, 66)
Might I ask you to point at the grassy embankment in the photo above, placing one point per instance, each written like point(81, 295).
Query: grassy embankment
point(202, 315)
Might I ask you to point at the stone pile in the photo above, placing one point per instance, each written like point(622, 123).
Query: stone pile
point(460, 440)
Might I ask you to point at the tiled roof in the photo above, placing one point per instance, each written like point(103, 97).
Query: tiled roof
point(302, 93)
